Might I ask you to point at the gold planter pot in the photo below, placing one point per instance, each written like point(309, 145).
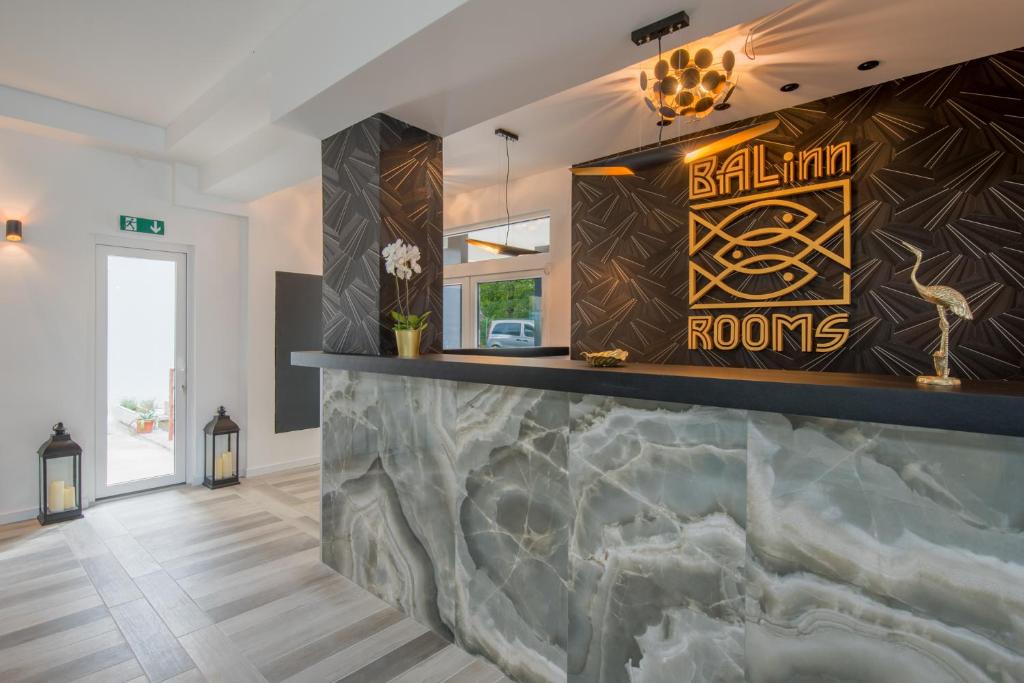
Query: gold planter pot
point(409, 342)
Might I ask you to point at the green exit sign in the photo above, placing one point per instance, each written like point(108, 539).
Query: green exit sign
point(146, 226)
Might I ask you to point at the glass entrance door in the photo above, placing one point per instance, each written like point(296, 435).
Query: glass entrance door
point(140, 369)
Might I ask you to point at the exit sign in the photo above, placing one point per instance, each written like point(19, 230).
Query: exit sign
point(146, 226)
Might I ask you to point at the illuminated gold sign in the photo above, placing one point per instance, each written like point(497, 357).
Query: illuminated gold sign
point(763, 241)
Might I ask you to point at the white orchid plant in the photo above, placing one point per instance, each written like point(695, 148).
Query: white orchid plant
point(403, 261)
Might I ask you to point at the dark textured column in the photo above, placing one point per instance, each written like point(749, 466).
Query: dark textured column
point(381, 182)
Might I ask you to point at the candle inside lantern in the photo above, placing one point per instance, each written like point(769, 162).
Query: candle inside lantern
point(229, 463)
point(218, 467)
point(55, 499)
point(69, 498)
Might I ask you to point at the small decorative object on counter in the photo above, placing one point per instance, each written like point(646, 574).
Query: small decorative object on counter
point(60, 471)
point(220, 451)
point(946, 299)
point(403, 261)
point(606, 359)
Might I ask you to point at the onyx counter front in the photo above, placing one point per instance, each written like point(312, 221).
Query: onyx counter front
point(568, 535)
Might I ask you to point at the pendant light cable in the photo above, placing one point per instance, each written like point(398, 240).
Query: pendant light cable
point(508, 216)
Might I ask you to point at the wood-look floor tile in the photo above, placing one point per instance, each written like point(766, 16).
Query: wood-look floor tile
point(45, 586)
point(190, 676)
point(256, 594)
point(84, 666)
point(479, 671)
point(41, 648)
point(16, 561)
point(218, 658)
point(174, 606)
point(45, 614)
point(355, 657)
point(439, 667)
point(104, 523)
point(224, 543)
point(158, 651)
point(399, 660)
point(27, 537)
point(200, 586)
point(13, 668)
point(252, 597)
point(14, 577)
point(229, 563)
point(127, 670)
point(111, 580)
point(307, 525)
point(135, 559)
point(83, 540)
point(167, 546)
point(328, 644)
point(276, 629)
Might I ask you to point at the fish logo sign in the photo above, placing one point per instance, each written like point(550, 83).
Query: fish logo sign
point(768, 250)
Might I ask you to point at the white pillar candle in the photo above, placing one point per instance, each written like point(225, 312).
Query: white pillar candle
point(229, 463)
point(218, 467)
point(55, 499)
point(69, 498)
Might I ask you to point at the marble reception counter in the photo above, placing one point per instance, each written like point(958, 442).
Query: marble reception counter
point(577, 531)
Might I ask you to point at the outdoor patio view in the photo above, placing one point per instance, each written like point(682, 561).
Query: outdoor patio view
point(140, 362)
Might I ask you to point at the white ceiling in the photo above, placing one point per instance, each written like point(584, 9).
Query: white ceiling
point(817, 43)
point(241, 91)
point(142, 59)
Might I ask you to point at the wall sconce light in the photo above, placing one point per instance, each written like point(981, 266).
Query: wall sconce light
point(13, 231)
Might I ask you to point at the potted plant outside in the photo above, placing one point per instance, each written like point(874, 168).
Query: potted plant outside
point(147, 417)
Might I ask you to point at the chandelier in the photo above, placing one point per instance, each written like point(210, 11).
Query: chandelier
point(688, 86)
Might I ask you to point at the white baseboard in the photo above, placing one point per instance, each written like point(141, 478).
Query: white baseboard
point(18, 515)
point(281, 466)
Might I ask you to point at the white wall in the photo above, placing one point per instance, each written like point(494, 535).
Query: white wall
point(549, 192)
point(285, 233)
point(69, 196)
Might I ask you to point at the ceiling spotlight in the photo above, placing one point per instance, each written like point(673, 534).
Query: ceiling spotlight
point(868, 65)
point(789, 87)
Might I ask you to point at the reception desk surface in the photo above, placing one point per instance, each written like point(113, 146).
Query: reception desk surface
point(984, 407)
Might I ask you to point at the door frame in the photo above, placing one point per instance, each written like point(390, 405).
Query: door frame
point(184, 403)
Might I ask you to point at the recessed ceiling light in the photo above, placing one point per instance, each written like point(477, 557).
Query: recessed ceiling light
point(789, 87)
point(868, 65)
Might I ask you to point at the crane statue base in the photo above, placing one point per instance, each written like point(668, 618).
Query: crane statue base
point(940, 359)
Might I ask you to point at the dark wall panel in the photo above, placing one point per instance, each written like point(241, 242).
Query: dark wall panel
point(296, 328)
point(381, 182)
point(938, 161)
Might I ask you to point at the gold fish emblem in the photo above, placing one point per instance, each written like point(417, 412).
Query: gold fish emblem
point(760, 253)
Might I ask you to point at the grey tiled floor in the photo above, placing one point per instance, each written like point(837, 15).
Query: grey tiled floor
point(188, 584)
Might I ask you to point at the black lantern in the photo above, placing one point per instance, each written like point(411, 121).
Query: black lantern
point(60, 474)
point(220, 451)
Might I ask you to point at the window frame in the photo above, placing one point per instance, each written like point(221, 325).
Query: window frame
point(469, 275)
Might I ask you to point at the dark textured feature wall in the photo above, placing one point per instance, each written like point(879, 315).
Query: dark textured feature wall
point(381, 182)
point(938, 161)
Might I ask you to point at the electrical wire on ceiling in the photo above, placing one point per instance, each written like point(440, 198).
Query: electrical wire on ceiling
point(508, 169)
point(748, 44)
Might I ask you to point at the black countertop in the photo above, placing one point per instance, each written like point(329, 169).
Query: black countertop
point(986, 407)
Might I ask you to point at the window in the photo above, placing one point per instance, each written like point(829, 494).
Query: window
point(492, 300)
point(534, 234)
point(451, 337)
point(506, 310)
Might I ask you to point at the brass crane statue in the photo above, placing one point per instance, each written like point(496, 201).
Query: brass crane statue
point(945, 299)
